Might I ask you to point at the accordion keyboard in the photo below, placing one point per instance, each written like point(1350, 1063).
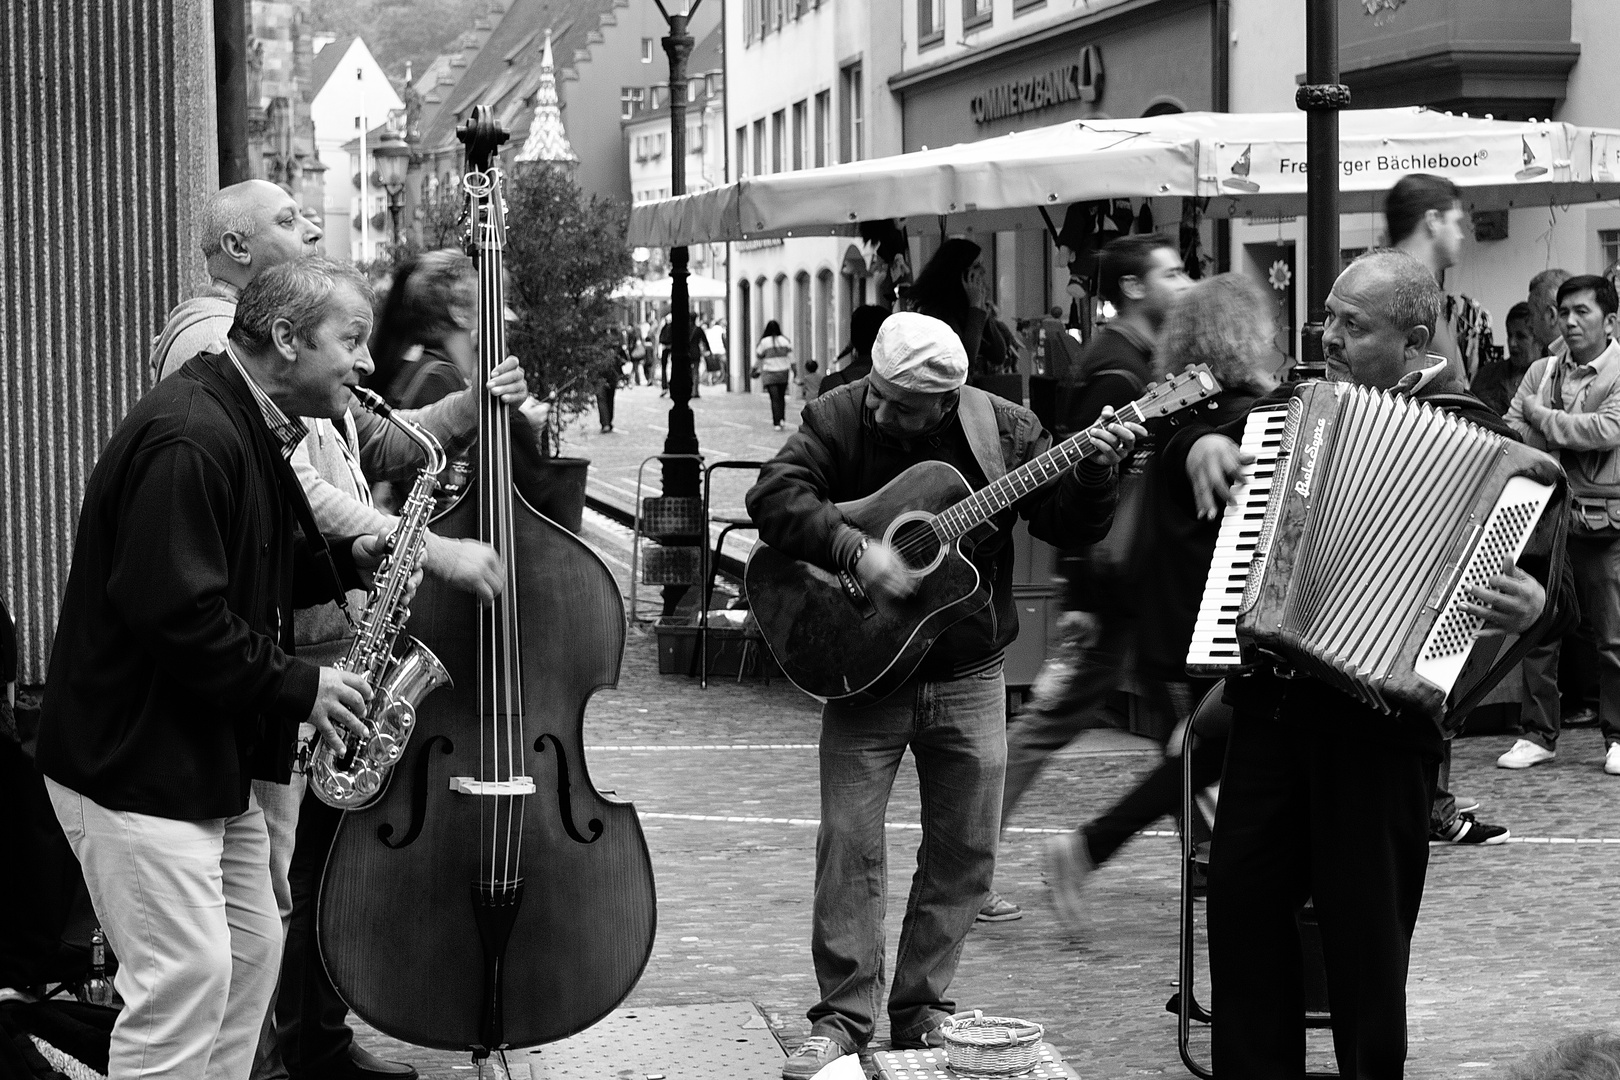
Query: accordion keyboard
point(1213, 651)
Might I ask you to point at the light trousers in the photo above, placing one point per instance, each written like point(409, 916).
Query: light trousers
point(188, 908)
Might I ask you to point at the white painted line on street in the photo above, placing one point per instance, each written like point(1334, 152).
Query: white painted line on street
point(917, 827)
point(733, 423)
point(713, 746)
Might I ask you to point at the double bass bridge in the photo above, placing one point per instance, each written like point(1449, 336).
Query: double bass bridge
point(517, 785)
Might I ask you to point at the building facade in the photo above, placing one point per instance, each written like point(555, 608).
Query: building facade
point(351, 94)
point(648, 149)
point(281, 133)
point(805, 89)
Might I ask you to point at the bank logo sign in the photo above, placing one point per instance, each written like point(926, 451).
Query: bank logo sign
point(1080, 81)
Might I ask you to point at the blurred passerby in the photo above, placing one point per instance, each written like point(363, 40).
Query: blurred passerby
point(864, 323)
point(1224, 322)
point(954, 287)
point(1496, 382)
point(1427, 221)
point(1570, 404)
point(423, 345)
point(774, 367)
point(1142, 277)
point(640, 358)
point(608, 382)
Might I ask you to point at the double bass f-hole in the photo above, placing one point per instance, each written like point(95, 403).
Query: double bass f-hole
point(565, 808)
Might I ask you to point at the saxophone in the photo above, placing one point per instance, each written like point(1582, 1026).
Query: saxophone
point(353, 777)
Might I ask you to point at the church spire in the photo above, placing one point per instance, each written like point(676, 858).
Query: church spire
point(548, 140)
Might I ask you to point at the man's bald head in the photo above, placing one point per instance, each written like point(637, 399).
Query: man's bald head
point(1381, 317)
point(249, 227)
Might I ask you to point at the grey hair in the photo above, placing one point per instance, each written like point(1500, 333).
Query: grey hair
point(299, 291)
point(1594, 1055)
point(1414, 296)
point(1225, 322)
point(229, 210)
point(1546, 283)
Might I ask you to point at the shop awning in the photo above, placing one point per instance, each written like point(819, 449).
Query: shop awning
point(1243, 163)
point(698, 287)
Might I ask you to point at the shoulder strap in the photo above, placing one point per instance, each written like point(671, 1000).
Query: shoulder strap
point(978, 415)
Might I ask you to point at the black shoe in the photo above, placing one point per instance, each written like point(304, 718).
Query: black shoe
point(361, 1064)
point(1467, 831)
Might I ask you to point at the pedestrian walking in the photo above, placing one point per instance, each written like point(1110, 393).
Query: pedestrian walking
point(774, 367)
point(1225, 323)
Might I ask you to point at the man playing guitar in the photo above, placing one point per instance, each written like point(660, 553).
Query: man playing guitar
point(912, 408)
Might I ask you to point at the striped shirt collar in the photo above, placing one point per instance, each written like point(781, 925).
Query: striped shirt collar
point(287, 431)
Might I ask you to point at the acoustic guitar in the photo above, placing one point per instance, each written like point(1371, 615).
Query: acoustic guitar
point(837, 642)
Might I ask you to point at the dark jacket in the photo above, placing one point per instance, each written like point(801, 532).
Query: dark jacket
point(839, 455)
point(172, 681)
point(1263, 692)
point(857, 369)
point(1113, 369)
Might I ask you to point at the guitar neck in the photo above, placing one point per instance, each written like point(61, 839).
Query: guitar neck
point(995, 497)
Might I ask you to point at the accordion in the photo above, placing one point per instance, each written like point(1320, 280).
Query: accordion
point(1350, 550)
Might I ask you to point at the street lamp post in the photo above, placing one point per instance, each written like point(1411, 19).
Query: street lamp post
point(1321, 97)
point(393, 160)
point(680, 477)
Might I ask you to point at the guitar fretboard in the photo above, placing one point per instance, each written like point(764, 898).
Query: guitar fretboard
point(995, 497)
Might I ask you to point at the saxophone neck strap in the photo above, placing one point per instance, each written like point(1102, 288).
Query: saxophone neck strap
point(319, 549)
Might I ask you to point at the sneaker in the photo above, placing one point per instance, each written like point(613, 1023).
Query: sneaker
point(810, 1058)
point(1068, 864)
point(1465, 830)
point(1525, 754)
point(1583, 717)
point(1611, 760)
point(998, 908)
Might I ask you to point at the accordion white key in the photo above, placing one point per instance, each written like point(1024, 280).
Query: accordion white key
point(1348, 554)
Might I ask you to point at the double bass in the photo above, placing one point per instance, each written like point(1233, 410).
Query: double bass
point(492, 898)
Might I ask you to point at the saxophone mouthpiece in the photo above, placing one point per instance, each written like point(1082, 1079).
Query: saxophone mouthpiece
point(371, 400)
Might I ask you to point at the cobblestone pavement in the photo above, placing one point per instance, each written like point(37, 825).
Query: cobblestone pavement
point(1516, 944)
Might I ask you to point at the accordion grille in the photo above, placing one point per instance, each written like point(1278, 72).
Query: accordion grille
point(1398, 483)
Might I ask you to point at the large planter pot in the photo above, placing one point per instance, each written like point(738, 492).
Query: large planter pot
point(558, 490)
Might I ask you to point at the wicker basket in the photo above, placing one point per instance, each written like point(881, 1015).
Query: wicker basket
point(671, 565)
point(671, 515)
point(980, 1045)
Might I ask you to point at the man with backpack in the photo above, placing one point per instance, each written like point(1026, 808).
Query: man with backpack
point(1142, 277)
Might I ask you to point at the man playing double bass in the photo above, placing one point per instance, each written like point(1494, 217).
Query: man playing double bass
point(913, 407)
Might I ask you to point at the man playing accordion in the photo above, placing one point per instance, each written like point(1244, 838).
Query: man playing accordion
point(1325, 798)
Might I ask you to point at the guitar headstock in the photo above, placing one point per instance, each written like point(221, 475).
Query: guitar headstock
point(1176, 393)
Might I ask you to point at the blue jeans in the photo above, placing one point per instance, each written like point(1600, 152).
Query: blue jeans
point(957, 731)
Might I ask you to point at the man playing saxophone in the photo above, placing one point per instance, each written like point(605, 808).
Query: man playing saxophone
point(247, 229)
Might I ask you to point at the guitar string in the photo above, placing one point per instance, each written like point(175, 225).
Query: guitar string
point(1080, 445)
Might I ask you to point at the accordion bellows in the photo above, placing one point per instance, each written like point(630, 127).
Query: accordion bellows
point(1348, 555)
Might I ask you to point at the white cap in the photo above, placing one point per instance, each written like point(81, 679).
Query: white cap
point(920, 353)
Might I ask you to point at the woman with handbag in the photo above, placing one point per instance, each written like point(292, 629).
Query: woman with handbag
point(774, 367)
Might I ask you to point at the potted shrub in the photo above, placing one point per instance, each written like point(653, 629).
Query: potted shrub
point(565, 254)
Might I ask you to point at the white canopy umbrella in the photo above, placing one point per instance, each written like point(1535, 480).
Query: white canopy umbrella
point(698, 287)
point(1243, 163)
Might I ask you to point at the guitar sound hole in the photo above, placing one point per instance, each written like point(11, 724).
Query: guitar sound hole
point(916, 544)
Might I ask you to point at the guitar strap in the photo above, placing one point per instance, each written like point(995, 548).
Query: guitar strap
point(978, 417)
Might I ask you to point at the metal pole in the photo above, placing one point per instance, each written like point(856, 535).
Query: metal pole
point(1321, 97)
point(1220, 94)
point(680, 477)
